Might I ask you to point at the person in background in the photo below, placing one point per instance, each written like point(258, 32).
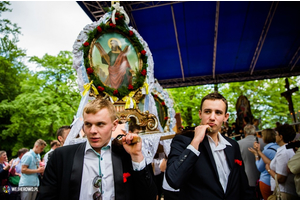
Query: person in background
point(53, 144)
point(17, 161)
point(269, 138)
point(62, 134)
point(256, 123)
point(30, 169)
point(284, 134)
point(249, 160)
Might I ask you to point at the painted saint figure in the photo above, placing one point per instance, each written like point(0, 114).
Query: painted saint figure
point(118, 66)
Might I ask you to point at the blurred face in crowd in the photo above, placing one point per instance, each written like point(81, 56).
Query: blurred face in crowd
point(3, 158)
point(39, 149)
point(213, 113)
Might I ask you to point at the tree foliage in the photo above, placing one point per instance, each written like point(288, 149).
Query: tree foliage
point(49, 99)
point(265, 99)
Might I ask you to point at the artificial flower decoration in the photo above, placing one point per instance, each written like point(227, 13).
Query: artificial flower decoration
point(117, 14)
point(101, 89)
point(163, 103)
point(116, 18)
point(112, 25)
point(89, 70)
point(239, 162)
point(121, 17)
point(166, 118)
point(143, 52)
point(99, 29)
point(130, 87)
point(125, 176)
point(86, 44)
point(115, 92)
point(144, 72)
point(130, 33)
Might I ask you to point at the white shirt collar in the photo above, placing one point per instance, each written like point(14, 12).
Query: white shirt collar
point(222, 141)
point(89, 147)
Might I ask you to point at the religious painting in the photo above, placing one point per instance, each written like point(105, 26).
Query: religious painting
point(243, 109)
point(114, 60)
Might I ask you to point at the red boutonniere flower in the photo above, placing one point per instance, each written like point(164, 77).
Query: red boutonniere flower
point(239, 162)
point(163, 103)
point(112, 25)
point(89, 70)
point(155, 96)
point(86, 44)
point(130, 33)
point(116, 18)
point(99, 29)
point(143, 52)
point(101, 89)
point(144, 72)
point(115, 92)
point(166, 118)
point(125, 176)
point(121, 17)
point(130, 87)
point(117, 14)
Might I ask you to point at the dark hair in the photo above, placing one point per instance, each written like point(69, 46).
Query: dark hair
point(214, 96)
point(287, 131)
point(54, 143)
point(61, 130)
point(269, 135)
point(22, 150)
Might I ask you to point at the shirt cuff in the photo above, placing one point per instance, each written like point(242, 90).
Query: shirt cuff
point(190, 147)
point(139, 166)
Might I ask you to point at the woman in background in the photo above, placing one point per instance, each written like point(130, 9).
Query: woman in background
point(269, 137)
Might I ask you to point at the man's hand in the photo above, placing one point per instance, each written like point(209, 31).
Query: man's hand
point(135, 150)
point(200, 132)
point(41, 170)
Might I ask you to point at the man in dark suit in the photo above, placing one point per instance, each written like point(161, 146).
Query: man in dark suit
point(97, 169)
point(208, 165)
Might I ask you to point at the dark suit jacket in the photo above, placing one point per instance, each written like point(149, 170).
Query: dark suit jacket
point(62, 176)
point(197, 177)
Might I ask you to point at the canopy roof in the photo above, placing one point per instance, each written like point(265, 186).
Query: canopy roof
point(208, 42)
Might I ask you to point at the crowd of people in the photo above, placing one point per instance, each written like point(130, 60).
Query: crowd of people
point(209, 161)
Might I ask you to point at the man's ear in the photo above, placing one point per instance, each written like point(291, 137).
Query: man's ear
point(60, 138)
point(200, 114)
point(226, 117)
point(115, 124)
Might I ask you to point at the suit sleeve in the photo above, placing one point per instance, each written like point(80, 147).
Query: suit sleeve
point(180, 162)
point(49, 188)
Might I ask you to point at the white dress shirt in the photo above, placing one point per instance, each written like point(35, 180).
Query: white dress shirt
point(91, 170)
point(219, 157)
point(46, 156)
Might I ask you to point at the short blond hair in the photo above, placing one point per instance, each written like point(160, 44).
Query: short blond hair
point(98, 104)
point(40, 142)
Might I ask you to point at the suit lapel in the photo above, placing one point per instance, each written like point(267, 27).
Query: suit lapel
point(120, 190)
point(76, 174)
point(229, 152)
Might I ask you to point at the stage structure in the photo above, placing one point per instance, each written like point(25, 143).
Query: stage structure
point(114, 62)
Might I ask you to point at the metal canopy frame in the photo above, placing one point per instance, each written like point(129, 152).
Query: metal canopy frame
point(95, 10)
